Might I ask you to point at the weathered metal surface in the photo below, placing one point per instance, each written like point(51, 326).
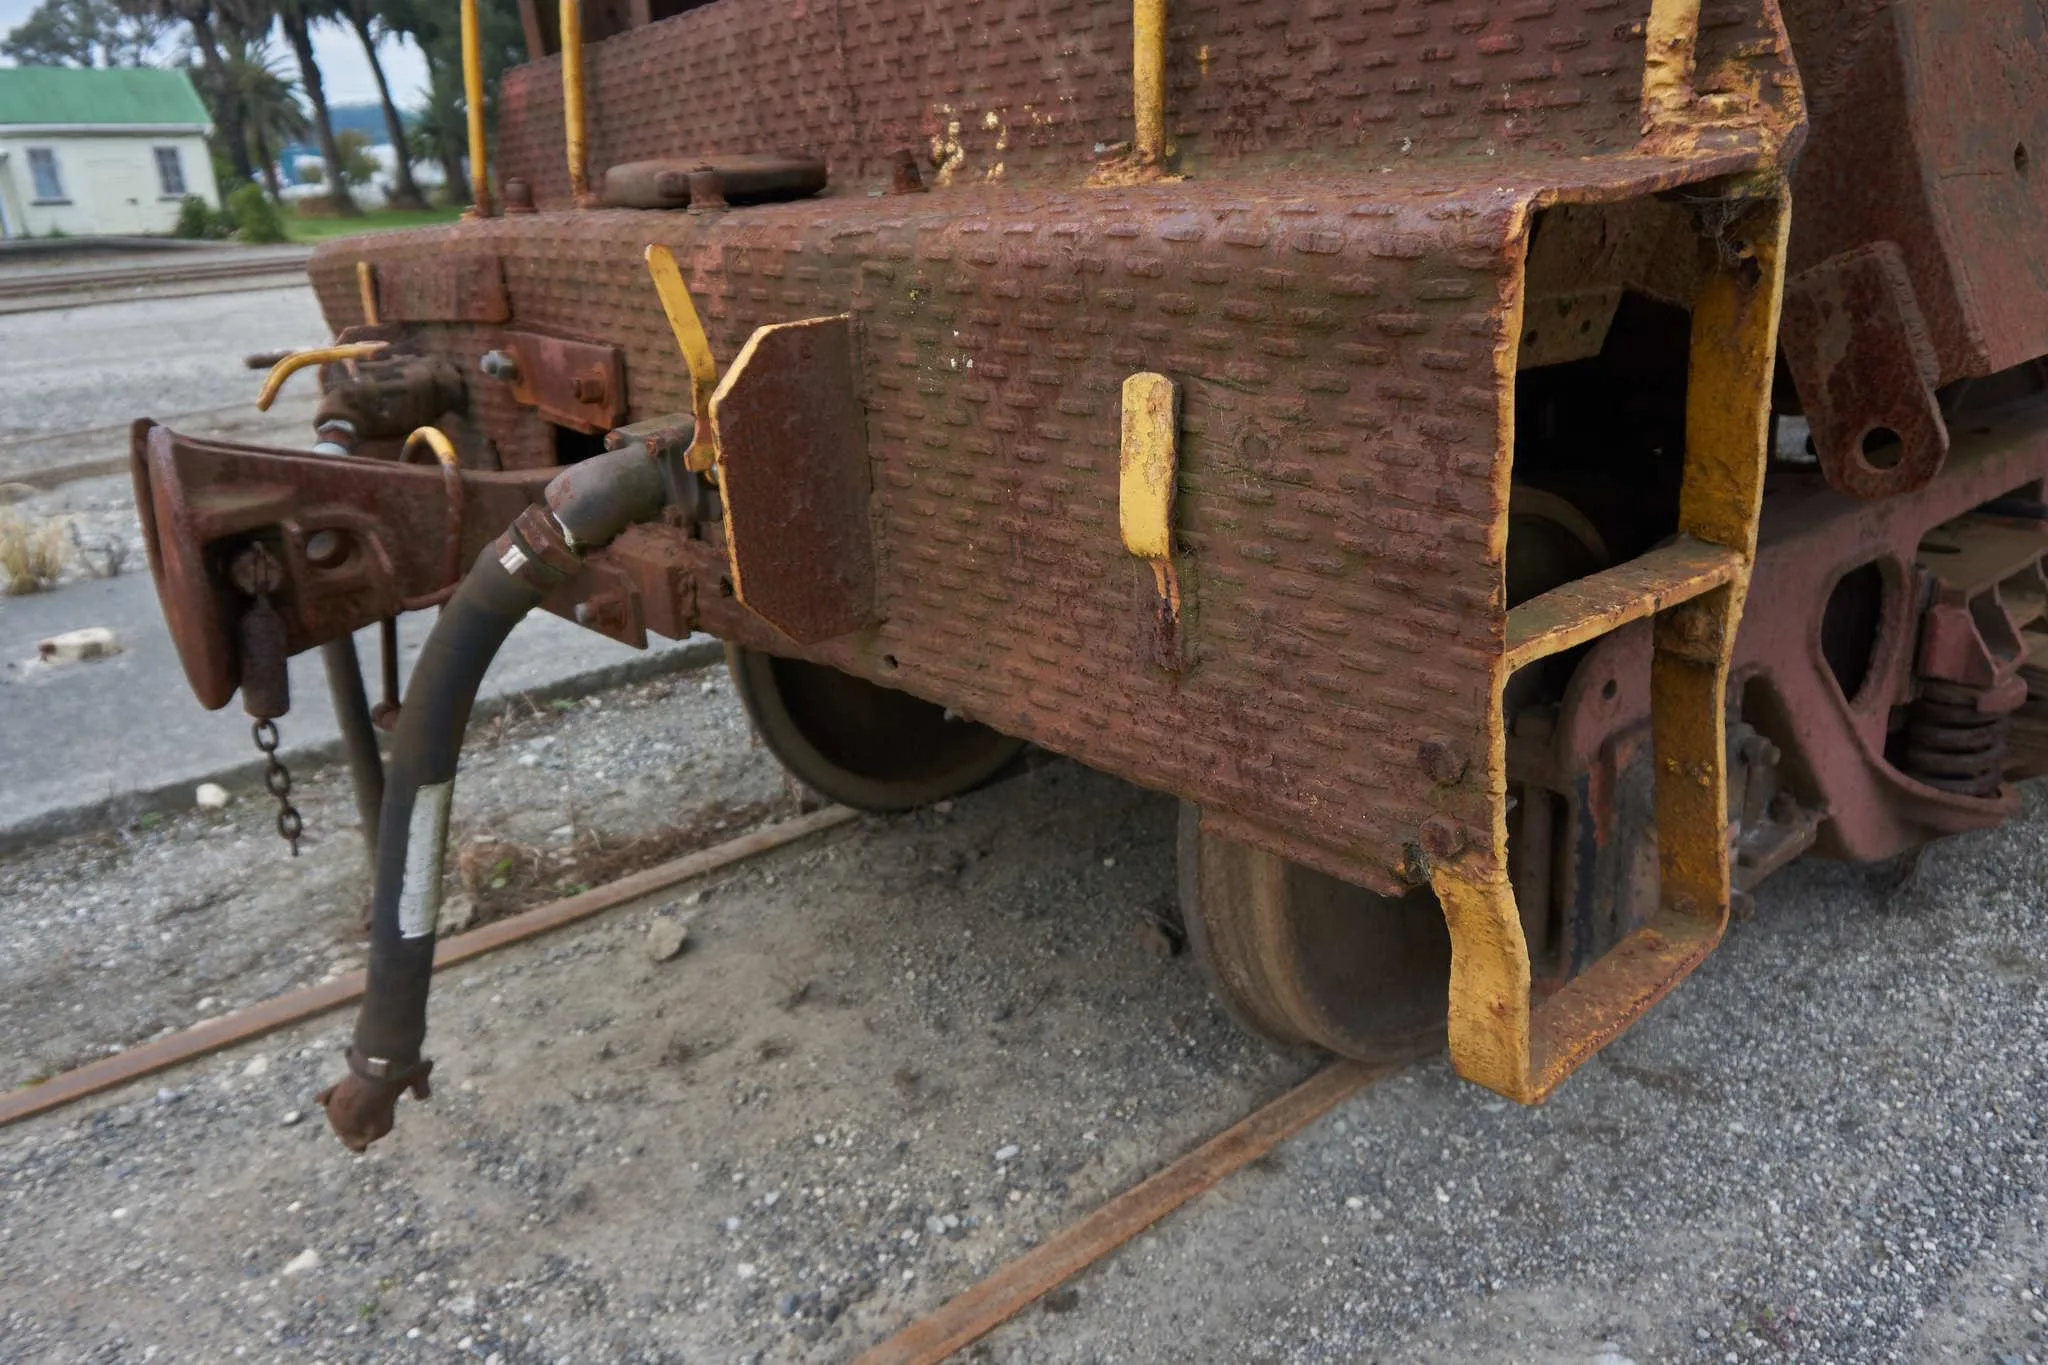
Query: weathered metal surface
point(995, 94)
point(794, 478)
point(389, 528)
point(1832, 710)
point(449, 286)
point(1345, 355)
point(576, 384)
point(1339, 296)
point(387, 397)
point(1927, 121)
point(1865, 369)
point(664, 183)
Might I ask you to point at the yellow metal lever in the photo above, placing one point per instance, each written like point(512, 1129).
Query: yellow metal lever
point(696, 349)
point(318, 355)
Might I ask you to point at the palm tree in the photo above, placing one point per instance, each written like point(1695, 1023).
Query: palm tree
point(370, 26)
point(438, 132)
point(198, 16)
point(298, 18)
point(269, 105)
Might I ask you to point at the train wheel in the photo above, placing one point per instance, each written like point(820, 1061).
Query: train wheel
point(863, 745)
point(1306, 959)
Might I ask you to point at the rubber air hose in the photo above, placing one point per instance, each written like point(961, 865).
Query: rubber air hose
point(586, 506)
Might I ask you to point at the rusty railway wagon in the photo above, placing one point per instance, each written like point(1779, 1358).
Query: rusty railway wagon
point(1519, 471)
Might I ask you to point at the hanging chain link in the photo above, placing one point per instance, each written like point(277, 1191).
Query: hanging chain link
point(278, 780)
point(266, 686)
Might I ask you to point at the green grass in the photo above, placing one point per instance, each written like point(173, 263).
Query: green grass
point(300, 229)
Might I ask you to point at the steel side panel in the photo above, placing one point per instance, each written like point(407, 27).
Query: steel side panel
point(1343, 362)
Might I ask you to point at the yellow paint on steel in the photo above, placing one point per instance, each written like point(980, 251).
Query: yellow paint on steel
point(1670, 36)
point(1590, 607)
point(299, 360)
point(706, 444)
point(693, 343)
point(435, 440)
point(1147, 465)
point(1497, 1037)
point(473, 104)
point(366, 290)
point(574, 133)
point(1148, 78)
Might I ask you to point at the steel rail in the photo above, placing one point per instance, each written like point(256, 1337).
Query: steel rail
point(293, 1007)
point(967, 1317)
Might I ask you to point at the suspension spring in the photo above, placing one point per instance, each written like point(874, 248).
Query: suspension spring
point(1952, 744)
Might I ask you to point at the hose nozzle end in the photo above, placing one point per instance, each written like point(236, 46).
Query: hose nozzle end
point(363, 1108)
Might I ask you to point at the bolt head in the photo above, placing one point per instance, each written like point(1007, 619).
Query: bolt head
point(1442, 761)
point(1442, 836)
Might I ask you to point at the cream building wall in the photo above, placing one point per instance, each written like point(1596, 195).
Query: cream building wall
point(109, 180)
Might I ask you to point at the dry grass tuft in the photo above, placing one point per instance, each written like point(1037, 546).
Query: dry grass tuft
point(32, 553)
point(505, 877)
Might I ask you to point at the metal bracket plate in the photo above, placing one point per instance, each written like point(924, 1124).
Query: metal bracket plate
point(793, 470)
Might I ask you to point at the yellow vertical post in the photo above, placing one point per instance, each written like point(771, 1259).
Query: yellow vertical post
point(571, 12)
point(1148, 77)
point(366, 289)
point(473, 99)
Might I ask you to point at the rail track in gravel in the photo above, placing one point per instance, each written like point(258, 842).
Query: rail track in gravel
point(31, 291)
point(955, 1324)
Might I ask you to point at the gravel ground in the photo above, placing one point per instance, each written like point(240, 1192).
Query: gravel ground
point(157, 925)
point(893, 1057)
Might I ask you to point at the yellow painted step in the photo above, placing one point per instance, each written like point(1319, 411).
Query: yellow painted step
point(1589, 607)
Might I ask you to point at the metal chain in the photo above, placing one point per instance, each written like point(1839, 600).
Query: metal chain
point(278, 780)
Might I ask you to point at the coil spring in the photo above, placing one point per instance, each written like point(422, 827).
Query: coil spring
point(1951, 744)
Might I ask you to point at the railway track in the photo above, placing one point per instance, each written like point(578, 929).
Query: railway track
point(956, 1323)
point(30, 291)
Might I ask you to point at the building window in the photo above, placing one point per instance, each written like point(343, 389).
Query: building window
point(42, 166)
point(170, 173)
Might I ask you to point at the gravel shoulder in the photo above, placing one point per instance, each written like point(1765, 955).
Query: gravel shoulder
point(891, 1058)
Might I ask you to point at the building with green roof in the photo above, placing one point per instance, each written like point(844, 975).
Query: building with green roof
point(97, 153)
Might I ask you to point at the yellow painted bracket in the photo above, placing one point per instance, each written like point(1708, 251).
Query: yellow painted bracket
point(696, 349)
point(1694, 589)
point(318, 355)
point(1146, 467)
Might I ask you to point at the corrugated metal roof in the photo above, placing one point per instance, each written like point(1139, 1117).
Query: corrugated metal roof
point(56, 96)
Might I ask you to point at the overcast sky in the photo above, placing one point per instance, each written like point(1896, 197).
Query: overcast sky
point(342, 65)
